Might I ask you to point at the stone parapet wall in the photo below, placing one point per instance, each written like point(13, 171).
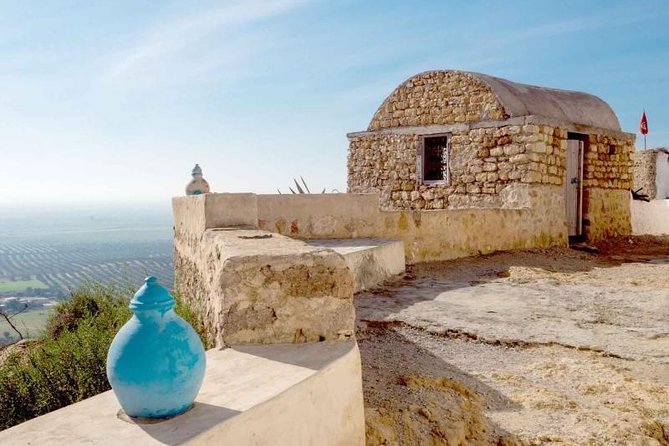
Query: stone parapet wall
point(313, 216)
point(438, 97)
point(252, 286)
point(533, 218)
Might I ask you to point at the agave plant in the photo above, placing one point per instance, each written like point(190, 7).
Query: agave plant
point(300, 189)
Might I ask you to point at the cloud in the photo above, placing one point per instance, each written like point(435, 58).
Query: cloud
point(190, 48)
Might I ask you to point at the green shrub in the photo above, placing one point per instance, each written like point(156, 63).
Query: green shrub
point(68, 363)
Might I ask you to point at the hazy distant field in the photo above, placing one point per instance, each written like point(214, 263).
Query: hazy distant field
point(40, 269)
point(49, 252)
point(8, 285)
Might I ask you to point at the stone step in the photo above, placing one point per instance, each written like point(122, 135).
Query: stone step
point(371, 260)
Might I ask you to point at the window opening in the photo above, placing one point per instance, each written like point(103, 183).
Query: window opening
point(435, 164)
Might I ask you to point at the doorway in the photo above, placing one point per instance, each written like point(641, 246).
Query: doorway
point(574, 184)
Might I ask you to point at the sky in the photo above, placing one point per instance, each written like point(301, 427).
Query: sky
point(114, 102)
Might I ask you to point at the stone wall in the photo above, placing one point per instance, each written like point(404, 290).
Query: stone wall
point(438, 97)
point(606, 213)
point(313, 216)
point(608, 162)
point(448, 234)
point(252, 286)
point(651, 173)
point(644, 172)
point(483, 163)
point(533, 217)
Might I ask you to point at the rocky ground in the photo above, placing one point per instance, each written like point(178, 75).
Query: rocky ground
point(536, 347)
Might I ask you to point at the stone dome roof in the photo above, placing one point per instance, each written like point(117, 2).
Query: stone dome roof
point(450, 96)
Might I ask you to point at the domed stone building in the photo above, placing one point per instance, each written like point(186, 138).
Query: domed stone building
point(458, 140)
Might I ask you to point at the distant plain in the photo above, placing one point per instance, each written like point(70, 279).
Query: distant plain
point(45, 253)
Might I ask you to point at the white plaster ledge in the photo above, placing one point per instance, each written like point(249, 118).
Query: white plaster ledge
point(297, 394)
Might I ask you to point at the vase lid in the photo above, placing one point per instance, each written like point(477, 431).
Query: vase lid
point(152, 296)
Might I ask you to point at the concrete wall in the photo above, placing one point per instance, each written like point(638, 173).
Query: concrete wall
point(276, 395)
point(650, 218)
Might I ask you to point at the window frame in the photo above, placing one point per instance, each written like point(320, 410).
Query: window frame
point(422, 164)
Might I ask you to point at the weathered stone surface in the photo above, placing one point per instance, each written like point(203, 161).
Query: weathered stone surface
point(256, 287)
point(371, 261)
point(651, 173)
point(438, 97)
point(607, 213)
point(387, 163)
point(490, 147)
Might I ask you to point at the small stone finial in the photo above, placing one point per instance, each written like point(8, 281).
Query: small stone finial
point(197, 185)
point(156, 361)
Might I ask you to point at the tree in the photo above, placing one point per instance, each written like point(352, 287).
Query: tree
point(7, 316)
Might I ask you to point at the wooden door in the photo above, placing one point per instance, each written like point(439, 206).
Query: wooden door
point(573, 193)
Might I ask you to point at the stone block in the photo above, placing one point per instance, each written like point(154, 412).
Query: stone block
point(532, 176)
point(521, 158)
point(473, 189)
point(513, 149)
point(497, 151)
point(257, 287)
point(537, 147)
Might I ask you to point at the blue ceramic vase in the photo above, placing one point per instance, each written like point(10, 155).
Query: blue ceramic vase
point(156, 362)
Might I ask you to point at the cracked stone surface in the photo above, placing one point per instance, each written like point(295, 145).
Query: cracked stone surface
point(556, 347)
point(541, 298)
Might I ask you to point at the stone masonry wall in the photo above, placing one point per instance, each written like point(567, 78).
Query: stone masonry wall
point(608, 162)
point(251, 286)
point(645, 171)
point(438, 97)
point(607, 179)
point(606, 213)
point(483, 162)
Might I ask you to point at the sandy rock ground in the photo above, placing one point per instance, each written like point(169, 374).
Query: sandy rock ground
point(533, 347)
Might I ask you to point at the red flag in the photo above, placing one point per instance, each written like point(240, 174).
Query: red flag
point(643, 126)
